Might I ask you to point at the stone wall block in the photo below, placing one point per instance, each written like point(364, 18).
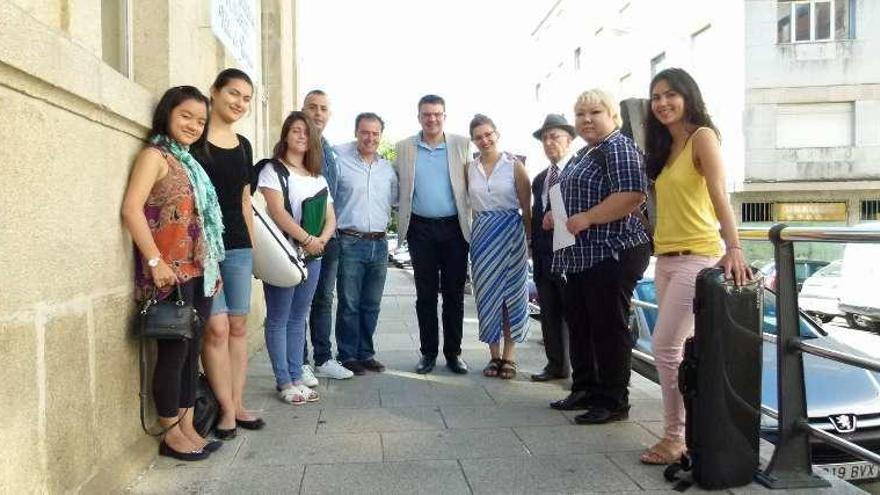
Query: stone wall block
point(70, 429)
point(20, 468)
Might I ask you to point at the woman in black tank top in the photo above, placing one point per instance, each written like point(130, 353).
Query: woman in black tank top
point(228, 157)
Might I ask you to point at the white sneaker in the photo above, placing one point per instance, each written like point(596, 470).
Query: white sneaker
point(333, 369)
point(308, 377)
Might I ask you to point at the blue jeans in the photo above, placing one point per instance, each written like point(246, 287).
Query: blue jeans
point(286, 312)
point(234, 297)
point(362, 267)
point(321, 317)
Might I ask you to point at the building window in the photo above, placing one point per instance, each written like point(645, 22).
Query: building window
point(577, 58)
point(870, 209)
point(814, 125)
point(757, 212)
point(116, 35)
point(658, 63)
point(801, 21)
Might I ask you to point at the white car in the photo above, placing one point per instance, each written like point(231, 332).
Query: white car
point(820, 293)
point(859, 297)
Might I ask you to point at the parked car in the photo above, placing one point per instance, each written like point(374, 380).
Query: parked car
point(534, 303)
point(859, 275)
point(803, 269)
point(820, 294)
point(841, 399)
point(401, 257)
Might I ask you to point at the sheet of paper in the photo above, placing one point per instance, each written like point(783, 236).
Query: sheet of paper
point(562, 238)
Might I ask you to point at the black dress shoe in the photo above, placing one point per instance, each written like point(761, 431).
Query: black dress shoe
point(546, 376)
point(373, 365)
point(426, 365)
point(212, 446)
point(225, 434)
point(252, 424)
point(457, 365)
point(196, 455)
point(355, 367)
point(598, 415)
point(574, 402)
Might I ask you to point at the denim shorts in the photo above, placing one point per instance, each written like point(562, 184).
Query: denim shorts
point(235, 296)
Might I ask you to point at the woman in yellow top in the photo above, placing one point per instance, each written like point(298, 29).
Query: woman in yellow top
point(684, 161)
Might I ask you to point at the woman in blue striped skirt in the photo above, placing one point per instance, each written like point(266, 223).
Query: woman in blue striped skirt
point(498, 190)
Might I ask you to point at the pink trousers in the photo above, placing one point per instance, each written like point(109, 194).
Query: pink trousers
point(674, 280)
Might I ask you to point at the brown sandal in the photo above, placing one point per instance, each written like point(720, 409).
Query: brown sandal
point(507, 370)
point(663, 452)
point(491, 369)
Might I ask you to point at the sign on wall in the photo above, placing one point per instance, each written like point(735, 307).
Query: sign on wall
point(234, 22)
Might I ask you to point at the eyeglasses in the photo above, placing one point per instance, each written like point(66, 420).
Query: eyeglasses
point(428, 115)
point(484, 136)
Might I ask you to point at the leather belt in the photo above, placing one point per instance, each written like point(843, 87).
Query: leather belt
point(371, 236)
point(676, 253)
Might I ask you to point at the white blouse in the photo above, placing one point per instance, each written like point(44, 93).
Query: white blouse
point(496, 192)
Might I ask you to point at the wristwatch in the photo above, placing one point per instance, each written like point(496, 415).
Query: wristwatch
point(153, 262)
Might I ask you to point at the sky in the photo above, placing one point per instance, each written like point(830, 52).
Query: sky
point(382, 55)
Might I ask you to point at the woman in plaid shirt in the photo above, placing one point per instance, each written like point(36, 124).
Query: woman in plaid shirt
point(601, 189)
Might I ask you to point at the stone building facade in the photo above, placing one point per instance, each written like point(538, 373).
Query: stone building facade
point(78, 83)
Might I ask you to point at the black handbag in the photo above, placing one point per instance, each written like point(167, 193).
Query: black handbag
point(167, 319)
point(206, 410)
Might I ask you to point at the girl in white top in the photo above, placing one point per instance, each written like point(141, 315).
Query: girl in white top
point(498, 189)
point(299, 151)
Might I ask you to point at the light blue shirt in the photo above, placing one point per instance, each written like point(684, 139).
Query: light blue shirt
point(367, 192)
point(432, 190)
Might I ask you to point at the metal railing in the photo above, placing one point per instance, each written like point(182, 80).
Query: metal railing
point(790, 466)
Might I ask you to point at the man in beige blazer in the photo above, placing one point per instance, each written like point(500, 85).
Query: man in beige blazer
point(434, 219)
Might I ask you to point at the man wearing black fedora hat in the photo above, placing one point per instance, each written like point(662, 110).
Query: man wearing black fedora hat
point(556, 136)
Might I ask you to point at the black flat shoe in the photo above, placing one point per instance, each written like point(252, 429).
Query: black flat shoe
point(212, 446)
point(355, 367)
point(252, 424)
point(457, 365)
point(600, 415)
point(546, 376)
point(222, 434)
point(373, 365)
point(426, 365)
point(574, 402)
point(196, 455)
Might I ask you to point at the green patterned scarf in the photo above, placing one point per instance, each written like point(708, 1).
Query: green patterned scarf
point(207, 207)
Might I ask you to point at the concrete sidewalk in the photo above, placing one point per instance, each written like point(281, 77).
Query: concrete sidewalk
point(399, 432)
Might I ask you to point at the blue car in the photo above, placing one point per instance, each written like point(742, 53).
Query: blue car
point(841, 399)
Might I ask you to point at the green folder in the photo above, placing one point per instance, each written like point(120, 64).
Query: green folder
point(314, 212)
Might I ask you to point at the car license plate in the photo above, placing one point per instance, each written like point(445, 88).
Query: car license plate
point(851, 470)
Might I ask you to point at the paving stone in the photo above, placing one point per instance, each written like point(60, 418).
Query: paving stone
point(435, 394)
point(579, 439)
point(506, 415)
point(546, 474)
point(389, 478)
point(526, 391)
point(309, 448)
point(199, 480)
point(260, 479)
point(380, 420)
point(452, 444)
